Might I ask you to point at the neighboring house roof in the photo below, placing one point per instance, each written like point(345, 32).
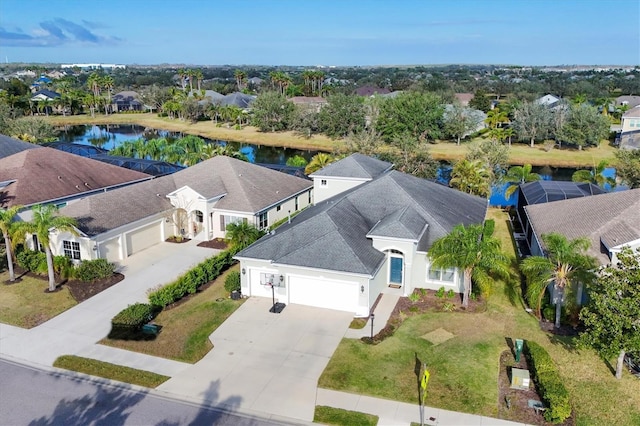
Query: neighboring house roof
point(238, 99)
point(45, 94)
point(632, 113)
point(463, 98)
point(125, 96)
point(244, 187)
point(355, 166)
point(10, 146)
point(549, 101)
point(209, 96)
point(48, 174)
point(371, 90)
point(630, 100)
point(545, 191)
point(306, 100)
point(333, 235)
point(255, 80)
point(630, 140)
point(610, 218)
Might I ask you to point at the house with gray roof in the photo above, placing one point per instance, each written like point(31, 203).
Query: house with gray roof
point(10, 146)
point(372, 237)
point(198, 202)
point(610, 221)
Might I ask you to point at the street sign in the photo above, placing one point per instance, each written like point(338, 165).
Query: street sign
point(423, 384)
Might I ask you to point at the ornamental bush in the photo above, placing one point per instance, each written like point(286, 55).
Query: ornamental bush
point(189, 283)
point(31, 260)
point(232, 282)
point(549, 383)
point(90, 270)
point(134, 316)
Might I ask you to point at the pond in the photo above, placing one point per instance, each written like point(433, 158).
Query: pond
point(111, 136)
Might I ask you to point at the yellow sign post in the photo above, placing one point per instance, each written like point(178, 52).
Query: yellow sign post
point(423, 386)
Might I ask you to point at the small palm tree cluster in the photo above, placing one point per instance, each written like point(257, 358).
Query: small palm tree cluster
point(45, 221)
point(518, 175)
point(595, 176)
point(187, 150)
point(313, 82)
point(95, 100)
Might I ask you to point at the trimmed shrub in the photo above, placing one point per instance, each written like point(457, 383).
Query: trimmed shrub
point(135, 316)
point(440, 293)
point(232, 282)
point(90, 270)
point(62, 265)
point(31, 260)
point(189, 283)
point(549, 383)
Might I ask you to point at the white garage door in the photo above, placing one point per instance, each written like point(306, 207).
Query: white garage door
point(324, 293)
point(143, 238)
point(110, 250)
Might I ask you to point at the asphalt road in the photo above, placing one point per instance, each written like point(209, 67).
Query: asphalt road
point(37, 398)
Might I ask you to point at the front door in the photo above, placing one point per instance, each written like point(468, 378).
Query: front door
point(395, 270)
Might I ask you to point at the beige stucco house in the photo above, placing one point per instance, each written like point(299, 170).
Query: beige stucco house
point(197, 202)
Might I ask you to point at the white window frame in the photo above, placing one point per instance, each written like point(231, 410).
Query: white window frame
point(71, 249)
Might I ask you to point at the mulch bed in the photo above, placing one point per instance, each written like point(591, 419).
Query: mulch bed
point(216, 243)
point(519, 409)
point(177, 240)
point(428, 301)
point(81, 290)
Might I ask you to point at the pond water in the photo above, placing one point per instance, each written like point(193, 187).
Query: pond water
point(111, 136)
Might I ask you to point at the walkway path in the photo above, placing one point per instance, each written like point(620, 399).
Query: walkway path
point(383, 311)
point(394, 413)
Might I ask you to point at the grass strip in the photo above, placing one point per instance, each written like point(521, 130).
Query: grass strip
point(340, 417)
point(110, 371)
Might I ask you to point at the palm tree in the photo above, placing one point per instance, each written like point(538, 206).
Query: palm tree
point(517, 175)
point(6, 225)
point(198, 75)
point(595, 176)
point(564, 262)
point(317, 162)
point(43, 223)
point(475, 251)
point(471, 177)
point(241, 79)
point(495, 118)
point(107, 83)
point(242, 234)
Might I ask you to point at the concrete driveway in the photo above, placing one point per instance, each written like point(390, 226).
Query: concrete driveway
point(264, 362)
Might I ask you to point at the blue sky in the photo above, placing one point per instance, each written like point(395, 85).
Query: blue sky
point(329, 32)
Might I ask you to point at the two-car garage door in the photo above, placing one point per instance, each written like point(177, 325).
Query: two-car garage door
point(143, 238)
point(324, 293)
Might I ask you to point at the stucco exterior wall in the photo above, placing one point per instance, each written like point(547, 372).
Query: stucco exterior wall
point(334, 186)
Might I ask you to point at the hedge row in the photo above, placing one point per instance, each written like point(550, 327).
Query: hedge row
point(88, 270)
point(553, 392)
point(189, 283)
point(135, 316)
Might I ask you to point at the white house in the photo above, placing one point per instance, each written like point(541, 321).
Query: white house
point(197, 202)
point(372, 237)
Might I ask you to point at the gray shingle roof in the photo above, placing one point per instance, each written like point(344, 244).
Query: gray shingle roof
point(244, 186)
point(333, 234)
point(613, 217)
point(404, 223)
point(355, 166)
point(10, 146)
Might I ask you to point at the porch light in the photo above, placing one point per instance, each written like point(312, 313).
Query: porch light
point(362, 289)
point(281, 278)
point(244, 271)
point(95, 247)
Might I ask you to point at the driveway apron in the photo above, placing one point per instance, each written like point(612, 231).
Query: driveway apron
point(265, 362)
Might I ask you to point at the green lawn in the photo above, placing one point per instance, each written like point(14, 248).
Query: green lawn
point(464, 369)
point(337, 416)
point(26, 304)
point(186, 328)
point(110, 371)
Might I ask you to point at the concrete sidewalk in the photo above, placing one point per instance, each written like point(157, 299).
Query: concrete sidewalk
point(382, 312)
point(394, 413)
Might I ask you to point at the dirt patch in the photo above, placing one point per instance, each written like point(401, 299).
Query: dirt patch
point(517, 408)
point(216, 243)
point(81, 290)
point(438, 336)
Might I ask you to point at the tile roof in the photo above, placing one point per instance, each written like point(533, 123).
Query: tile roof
point(10, 146)
point(632, 113)
point(355, 166)
point(47, 174)
point(243, 186)
point(613, 218)
point(332, 235)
